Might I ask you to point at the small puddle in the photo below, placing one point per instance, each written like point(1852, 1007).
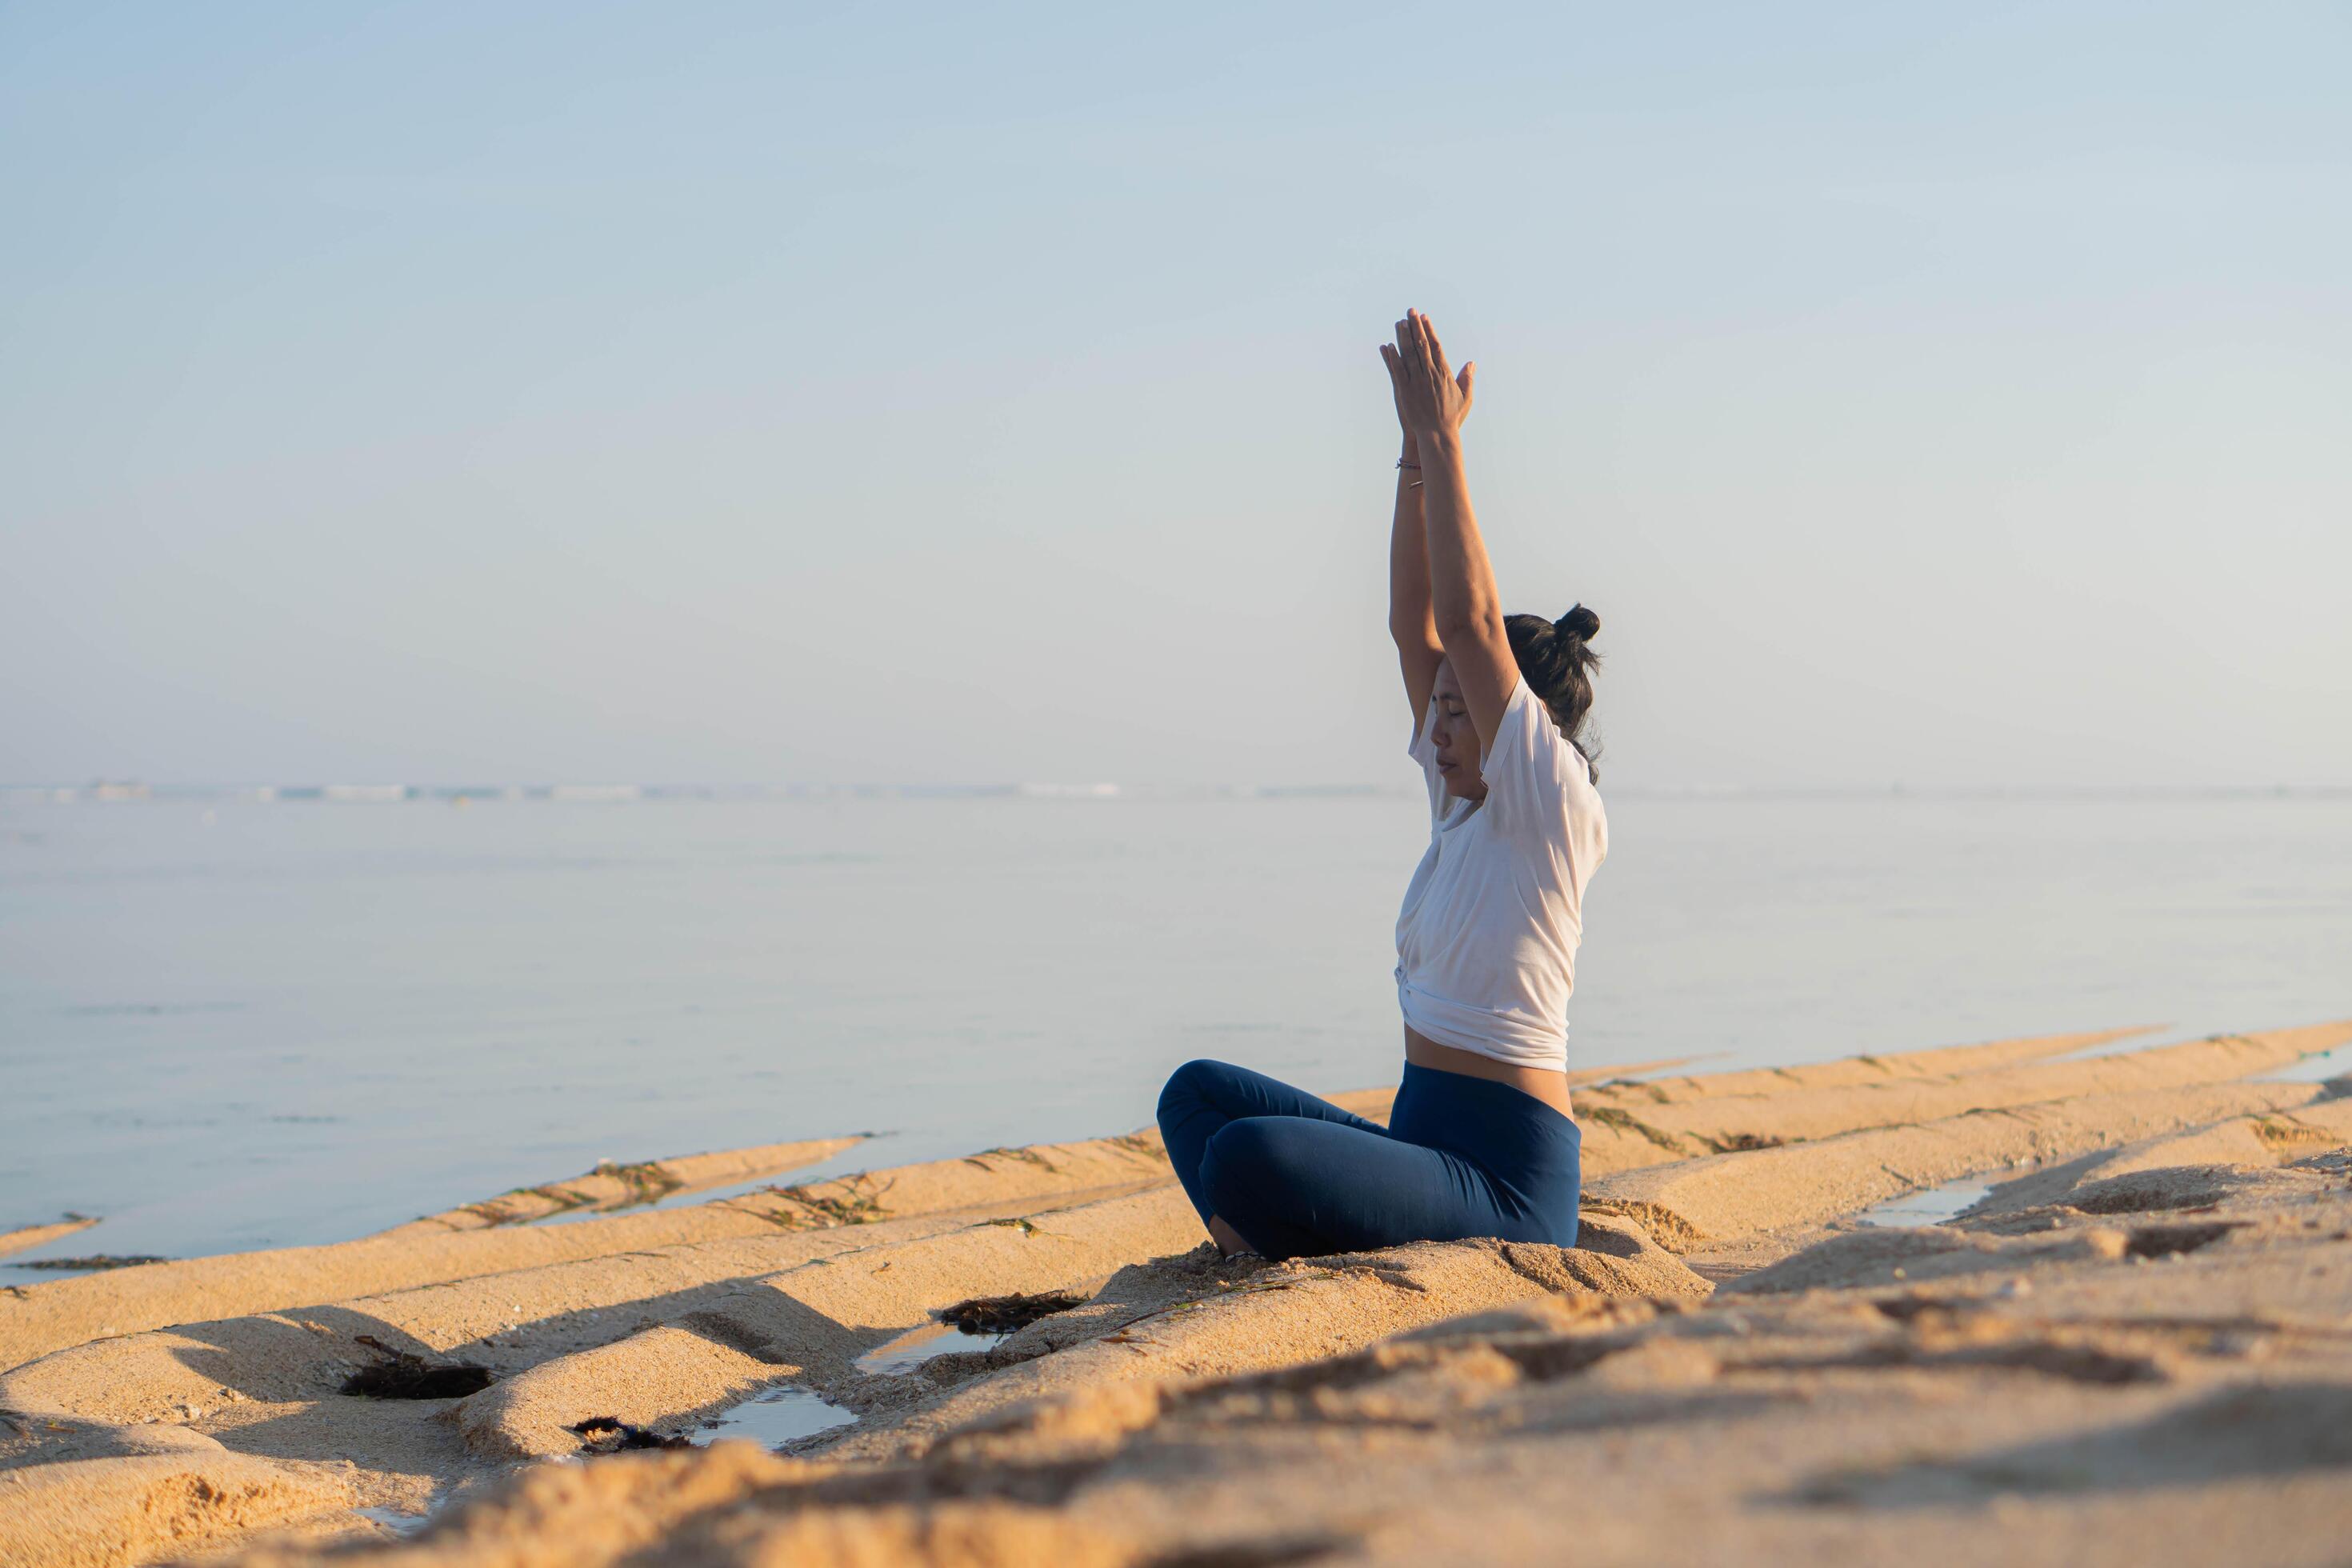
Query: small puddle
point(2316, 1067)
point(775, 1415)
point(396, 1521)
point(909, 1350)
point(1932, 1205)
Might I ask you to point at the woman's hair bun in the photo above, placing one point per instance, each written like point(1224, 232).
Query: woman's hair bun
point(1579, 623)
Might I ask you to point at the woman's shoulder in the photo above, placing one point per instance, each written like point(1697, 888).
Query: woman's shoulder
point(1580, 818)
point(1543, 783)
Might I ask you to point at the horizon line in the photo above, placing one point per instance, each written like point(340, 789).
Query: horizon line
point(109, 791)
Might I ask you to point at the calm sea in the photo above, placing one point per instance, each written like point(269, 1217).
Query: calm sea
point(230, 1024)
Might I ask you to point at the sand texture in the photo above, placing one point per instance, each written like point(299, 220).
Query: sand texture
point(2140, 1337)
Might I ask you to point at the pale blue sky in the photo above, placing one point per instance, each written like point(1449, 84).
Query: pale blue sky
point(463, 393)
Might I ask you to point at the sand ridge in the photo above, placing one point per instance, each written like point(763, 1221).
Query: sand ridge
point(614, 1186)
point(1936, 1061)
point(1733, 1195)
point(1620, 1139)
point(25, 1237)
point(95, 1512)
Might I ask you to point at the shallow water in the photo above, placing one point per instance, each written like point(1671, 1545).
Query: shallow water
point(397, 1522)
point(908, 1352)
point(2317, 1067)
point(233, 1023)
point(775, 1415)
point(1929, 1205)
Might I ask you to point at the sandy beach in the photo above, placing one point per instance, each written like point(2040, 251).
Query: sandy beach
point(2106, 1310)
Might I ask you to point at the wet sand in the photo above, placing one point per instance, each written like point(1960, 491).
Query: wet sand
point(2140, 1336)
point(31, 1236)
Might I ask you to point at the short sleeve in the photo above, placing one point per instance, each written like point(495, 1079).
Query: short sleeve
point(1423, 749)
point(1538, 786)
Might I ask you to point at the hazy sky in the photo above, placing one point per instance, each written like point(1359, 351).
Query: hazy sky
point(1956, 395)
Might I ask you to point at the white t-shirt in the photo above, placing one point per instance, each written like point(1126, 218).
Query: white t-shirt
point(1486, 940)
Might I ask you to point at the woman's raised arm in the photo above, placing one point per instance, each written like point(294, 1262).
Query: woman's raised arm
point(1409, 621)
point(1465, 607)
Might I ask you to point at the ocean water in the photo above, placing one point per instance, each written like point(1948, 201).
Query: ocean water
point(238, 1023)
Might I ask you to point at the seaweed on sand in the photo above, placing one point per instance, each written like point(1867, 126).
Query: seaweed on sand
point(610, 1435)
point(645, 1182)
point(397, 1374)
point(859, 1203)
point(1740, 1142)
point(1026, 1156)
point(1002, 1314)
point(648, 1181)
point(1624, 1121)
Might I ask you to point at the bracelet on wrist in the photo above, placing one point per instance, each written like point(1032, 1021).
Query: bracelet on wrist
point(1403, 464)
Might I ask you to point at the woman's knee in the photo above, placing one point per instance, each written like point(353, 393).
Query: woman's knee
point(1244, 1163)
point(1189, 1086)
point(1254, 1176)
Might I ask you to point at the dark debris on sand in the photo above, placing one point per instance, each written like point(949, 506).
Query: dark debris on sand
point(610, 1435)
point(396, 1374)
point(1004, 1314)
point(95, 1260)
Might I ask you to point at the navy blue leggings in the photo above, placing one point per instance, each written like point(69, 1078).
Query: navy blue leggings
point(1296, 1177)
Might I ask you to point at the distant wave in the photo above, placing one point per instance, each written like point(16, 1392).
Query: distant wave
point(1069, 791)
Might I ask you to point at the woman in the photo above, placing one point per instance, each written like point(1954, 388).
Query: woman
point(1481, 1139)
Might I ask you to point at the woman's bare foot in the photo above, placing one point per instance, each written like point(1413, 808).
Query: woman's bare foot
point(1227, 1241)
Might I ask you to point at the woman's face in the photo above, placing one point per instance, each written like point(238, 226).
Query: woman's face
point(1456, 737)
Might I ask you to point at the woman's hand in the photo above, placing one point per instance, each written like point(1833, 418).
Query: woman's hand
point(1431, 400)
point(1396, 389)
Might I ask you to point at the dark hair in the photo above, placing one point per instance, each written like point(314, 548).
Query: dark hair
point(1557, 660)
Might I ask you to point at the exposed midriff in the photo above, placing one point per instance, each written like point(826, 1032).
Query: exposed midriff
point(1546, 1084)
